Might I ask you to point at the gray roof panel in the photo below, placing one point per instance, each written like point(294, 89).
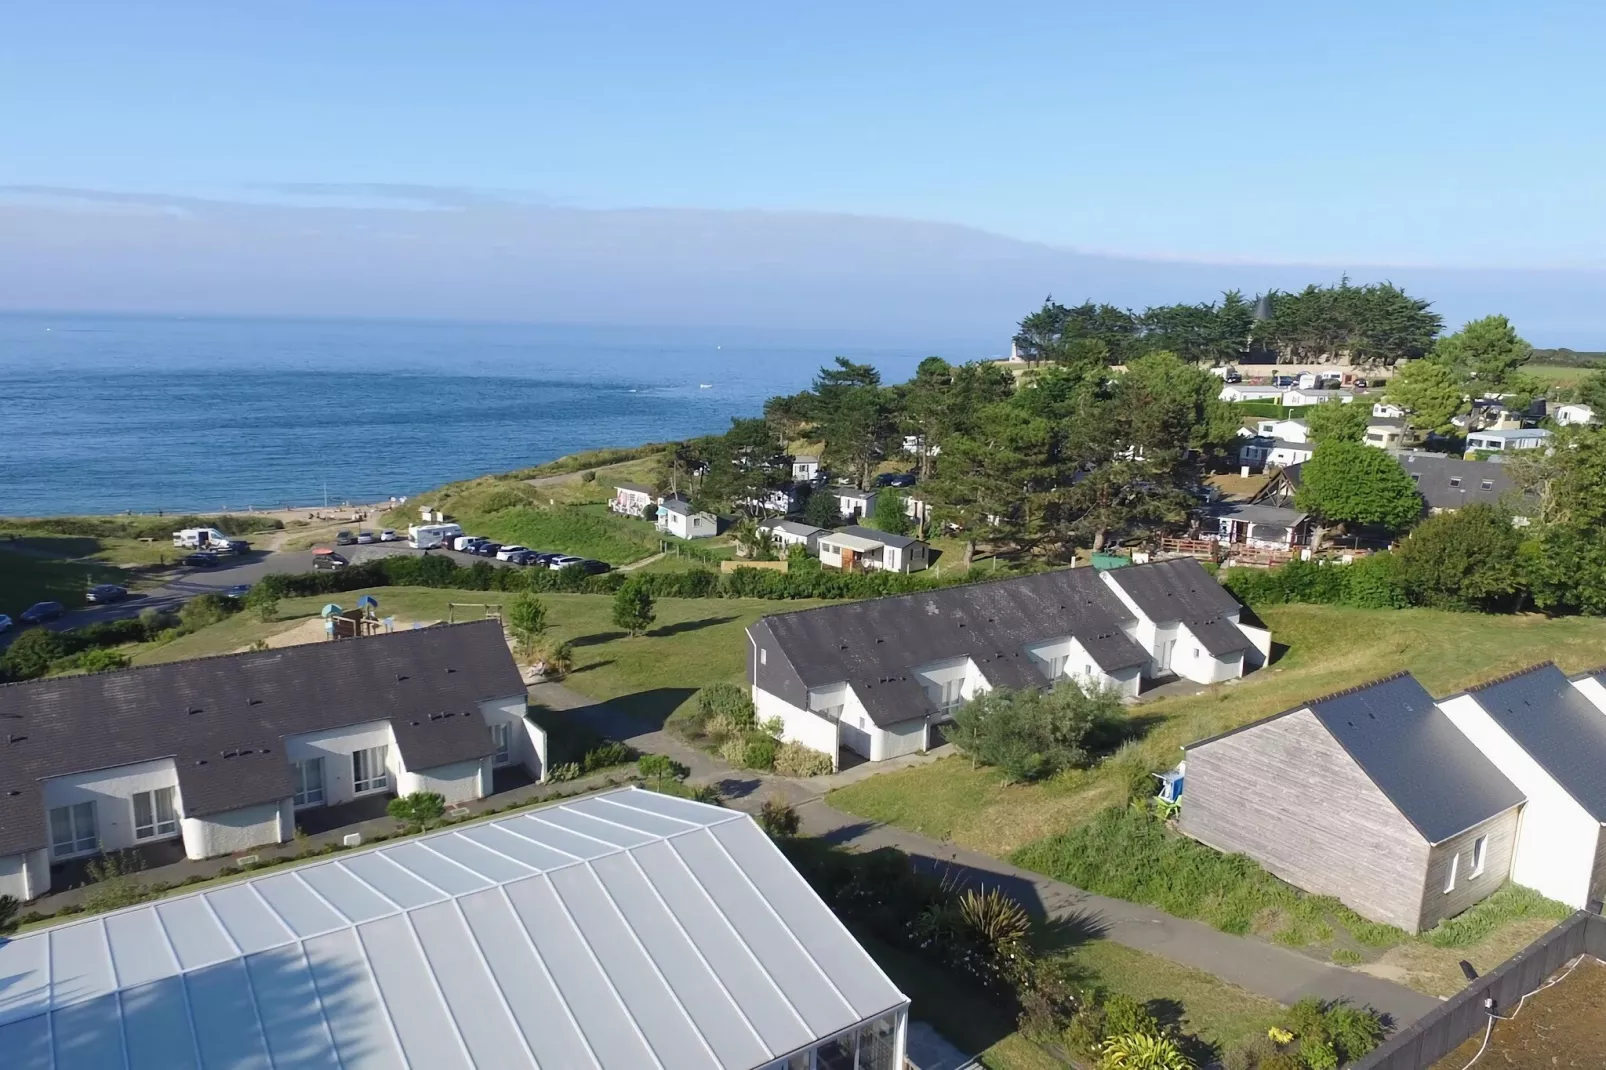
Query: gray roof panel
point(1557, 726)
point(691, 944)
point(1409, 748)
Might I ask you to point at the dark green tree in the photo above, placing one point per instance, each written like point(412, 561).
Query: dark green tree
point(854, 417)
point(1375, 324)
point(747, 464)
point(660, 767)
point(1430, 394)
point(1567, 486)
point(891, 513)
point(822, 509)
point(992, 480)
point(1338, 423)
point(1467, 560)
point(1349, 483)
point(1029, 734)
point(30, 654)
point(633, 607)
point(423, 808)
point(1485, 355)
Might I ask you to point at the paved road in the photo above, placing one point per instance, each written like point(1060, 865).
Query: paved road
point(1276, 972)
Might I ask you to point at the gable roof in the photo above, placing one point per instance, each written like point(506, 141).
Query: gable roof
point(1435, 777)
point(791, 527)
point(1557, 726)
point(223, 719)
point(875, 645)
point(1451, 482)
point(885, 538)
point(634, 488)
point(619, 931)
point(853, 492)
point(1181, 590)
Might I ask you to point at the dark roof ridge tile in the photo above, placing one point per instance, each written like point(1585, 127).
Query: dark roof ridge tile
point(1507, 678)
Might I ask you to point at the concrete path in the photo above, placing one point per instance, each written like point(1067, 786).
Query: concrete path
point(1257, 966)
point(644, 562)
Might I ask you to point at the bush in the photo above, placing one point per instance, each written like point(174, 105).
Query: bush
point(100, 659)
point(1030, 735)
point(729, 700)
point(31, 654)
point(563, 772)
point(588, 476)
point(112, 884)
point(1142, 1051)
point(660, 767)
point(796, 760)
point(605, 755)
point(206, 610)
point(778, 818)
point(1467, 560)
point(633, 608)
point(421, 808)
point(8, 914)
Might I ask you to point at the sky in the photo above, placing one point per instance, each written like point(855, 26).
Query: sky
point(1461, 134)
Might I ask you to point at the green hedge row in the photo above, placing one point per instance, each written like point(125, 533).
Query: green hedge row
point(1373, 582)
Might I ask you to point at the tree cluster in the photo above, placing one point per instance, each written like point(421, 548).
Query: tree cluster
point(1030, 734)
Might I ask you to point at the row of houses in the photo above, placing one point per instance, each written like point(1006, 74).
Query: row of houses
point(1409, 809)
point(880, 677)
point(1291, 396)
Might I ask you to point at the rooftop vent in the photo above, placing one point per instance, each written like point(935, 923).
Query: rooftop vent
point(13, 792)
point(14, 738)
point(192, 710)
point(400, 677)
point(253, 702)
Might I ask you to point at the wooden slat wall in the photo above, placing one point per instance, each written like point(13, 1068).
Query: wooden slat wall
point(1437, 904)
point(1287, 795)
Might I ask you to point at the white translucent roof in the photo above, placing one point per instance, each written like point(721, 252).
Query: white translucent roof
point(622, 931)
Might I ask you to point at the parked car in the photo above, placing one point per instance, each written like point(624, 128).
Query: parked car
point(1361, 384)
point(364, 538)
point(389, 535)
point(596, 568)
point(327, 561)
point(200, 560)
point(102, 593)
point(5, 623)
point(563, 561)
point(543, 557)
point(465, 543)
point(506, 553)
point(239, 590)
point(40, 612)
point(524, 557)
point(1232, 377)
point(345, 538)
point(487, 548)
point(895, 479)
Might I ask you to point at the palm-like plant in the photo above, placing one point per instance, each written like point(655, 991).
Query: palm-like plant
point(1142, 1051)
point(994, 916)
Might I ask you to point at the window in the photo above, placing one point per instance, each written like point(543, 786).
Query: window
point(1480, 852)
point(1449, 881)
point(1056, 666)
point(368, 770)
point(1455, 481)
point(953, 695)
point(308, 779)
point(154, 814)
point(502, 736)
point(72, 829)
point(1416, 477)
point(763, 656)
point(1487, 484)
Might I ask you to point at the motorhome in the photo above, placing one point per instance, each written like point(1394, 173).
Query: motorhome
point(207, 539)
point(432, 536)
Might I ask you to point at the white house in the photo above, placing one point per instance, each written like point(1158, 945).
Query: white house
point(854, 504)
point(879, 676)
point(1274, 452)
point(1314, 396)
point(1548, 736)
point(1569, 415)
point(786, 534)
point(631, 499)
point(221, 753)
point(677, 517)
point(1387, 433)
point(1387, 410)
point(855, 547)
point(620, 931)
point(1246, 392)
point(1505, 440)
point(805, 469)
point(777, 501)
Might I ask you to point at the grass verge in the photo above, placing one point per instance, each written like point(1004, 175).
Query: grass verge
point(26, 578)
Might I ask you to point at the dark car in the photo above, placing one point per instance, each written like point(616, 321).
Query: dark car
point(596, 568)
point(486, 548)
point(543, 557)
point(106, 592)
point(345, 538)
point(327, 561)
point(239, 590)
point(201, 560)
point(40, 612)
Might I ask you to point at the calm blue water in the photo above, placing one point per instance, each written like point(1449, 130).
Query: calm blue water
point(100, 414)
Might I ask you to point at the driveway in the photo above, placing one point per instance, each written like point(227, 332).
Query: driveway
point(1257, 966)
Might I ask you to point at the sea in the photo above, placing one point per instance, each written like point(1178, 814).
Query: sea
point(106, 414)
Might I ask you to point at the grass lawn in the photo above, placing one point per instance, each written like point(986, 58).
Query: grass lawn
point(26, 578)
point(694, 642)
point(1559, 373)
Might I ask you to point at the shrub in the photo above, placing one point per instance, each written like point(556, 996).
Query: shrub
point(1142, 1051)
point(660, 767)
point(729, 700)
point(1030, 735)
point(563, 772)
point(1467, 559)
point(31, 654)
point(796, 760)
point(633, 608)
point(778, 818)
point(1508, 904)
point(758, 752)
point(8, 914)
point(588, 476)
point(100, 659)
point(1249, 1055)
point(527, 620)
point(421, 808)
point(606, 754)
point(1125, 1015)
point(993, 917)
point(206, 610)
point(112, 882)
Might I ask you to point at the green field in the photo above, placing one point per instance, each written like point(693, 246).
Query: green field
point(26, 578)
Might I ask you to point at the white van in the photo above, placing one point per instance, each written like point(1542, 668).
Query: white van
point(206, 539)
point(432, 536)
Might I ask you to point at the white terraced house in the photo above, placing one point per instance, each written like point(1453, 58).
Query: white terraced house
point(877, 676)
point(221, 754)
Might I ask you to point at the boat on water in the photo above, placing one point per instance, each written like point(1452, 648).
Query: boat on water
point(705, 386)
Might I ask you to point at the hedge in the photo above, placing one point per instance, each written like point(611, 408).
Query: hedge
point(1372, 582)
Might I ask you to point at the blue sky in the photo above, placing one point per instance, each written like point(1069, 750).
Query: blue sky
point(1448, 134)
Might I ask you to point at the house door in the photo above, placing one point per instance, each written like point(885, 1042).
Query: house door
point(1162, 657)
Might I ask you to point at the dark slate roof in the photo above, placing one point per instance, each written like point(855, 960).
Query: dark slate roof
point(1182, 590)
point(1437, 779)
point(677, 505)
point(1257, 514)
point(1450, 482)
point(885, 538)
point(1557, 726)
point(223, 719)
point(876, 645)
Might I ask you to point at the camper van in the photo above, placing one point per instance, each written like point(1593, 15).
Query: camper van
point(432, 536)
point(208, 539)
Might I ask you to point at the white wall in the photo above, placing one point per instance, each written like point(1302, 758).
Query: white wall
point(26, 875)
point(527, 741)
point(798, 725)
point(1144, 631)
point(335, 747)
point(1557, 839)
point(112, 791)
point(1261, 653)
point(1191, 661)
point(456, 782)
point(236, 830)
point(1081, 667)
point(908, 737)
point(1593, 691)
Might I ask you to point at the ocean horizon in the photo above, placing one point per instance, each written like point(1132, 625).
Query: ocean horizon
point(104, 413)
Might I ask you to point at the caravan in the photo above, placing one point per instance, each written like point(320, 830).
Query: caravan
point(208, 539)
point(432, 536)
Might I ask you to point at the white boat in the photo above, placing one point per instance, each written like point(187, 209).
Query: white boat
point(705, 386)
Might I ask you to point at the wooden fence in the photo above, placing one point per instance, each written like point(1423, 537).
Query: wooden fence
point(1430, 1038)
